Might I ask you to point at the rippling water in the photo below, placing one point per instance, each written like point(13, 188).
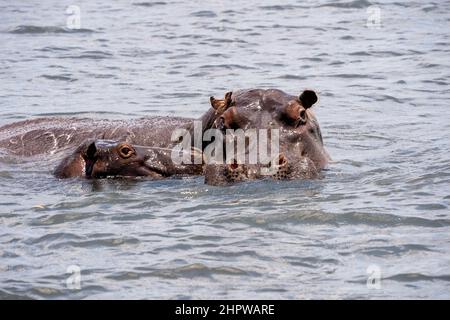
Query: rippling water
point(382, 205)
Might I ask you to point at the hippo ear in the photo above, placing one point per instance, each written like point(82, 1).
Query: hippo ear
point(308, 98)
point(91, 151)
point(215, 103)
point(89, 155)
point(221, 105)
point(228, 101)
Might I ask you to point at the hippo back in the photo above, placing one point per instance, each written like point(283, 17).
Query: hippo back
point(51, 135)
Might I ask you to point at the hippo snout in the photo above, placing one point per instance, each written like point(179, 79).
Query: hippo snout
point(282, 168)
point(236, 172)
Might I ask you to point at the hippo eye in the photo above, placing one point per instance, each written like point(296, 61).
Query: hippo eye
point(221, 123)
point(303, 114)
point(126, 151)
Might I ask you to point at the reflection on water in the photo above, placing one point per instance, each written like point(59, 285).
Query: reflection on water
point(383, 111)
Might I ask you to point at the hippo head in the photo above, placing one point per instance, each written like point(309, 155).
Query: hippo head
point(300, 151)
point(107, 158)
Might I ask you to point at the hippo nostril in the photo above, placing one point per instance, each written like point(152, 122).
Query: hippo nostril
point(282, 161)
point(279, 162)
point(234, 165)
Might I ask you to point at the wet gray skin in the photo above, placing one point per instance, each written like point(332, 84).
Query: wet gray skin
point(109, 158)
point(302, 154)
point(50, 135)
point(301, 148)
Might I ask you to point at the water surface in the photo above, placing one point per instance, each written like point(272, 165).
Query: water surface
point(383, 204)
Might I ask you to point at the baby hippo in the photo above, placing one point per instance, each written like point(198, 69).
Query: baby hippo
point(109, 158)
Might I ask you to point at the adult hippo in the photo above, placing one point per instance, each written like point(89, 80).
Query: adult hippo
point(51, 135)
point(110, 158)
point(301, 153)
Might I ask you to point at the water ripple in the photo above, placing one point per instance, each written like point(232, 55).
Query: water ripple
point(30, 29)
point(349, 218)
point(356, 4)
point(189, 271)
point(150, 4)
